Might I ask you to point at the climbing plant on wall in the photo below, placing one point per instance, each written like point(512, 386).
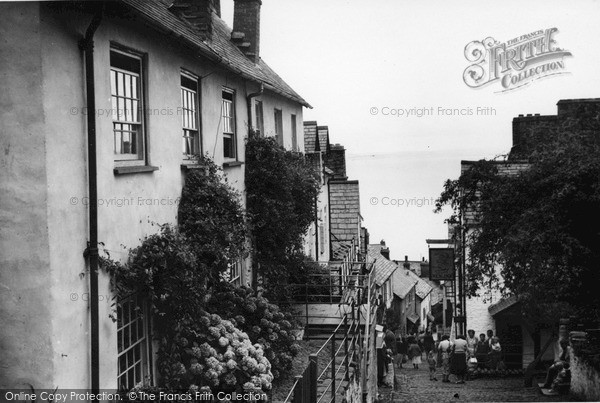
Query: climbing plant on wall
point(281, 191)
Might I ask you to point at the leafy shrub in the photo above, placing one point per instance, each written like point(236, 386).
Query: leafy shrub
point(164, 269)
point(264, 322)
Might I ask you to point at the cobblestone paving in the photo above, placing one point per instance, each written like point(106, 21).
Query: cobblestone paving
point(414, 386)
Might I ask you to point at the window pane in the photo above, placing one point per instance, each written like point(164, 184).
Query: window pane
point(189, 117)
point(113, 82)
point(126, 103)
point(127, 85)
point(228, 119)
point(228, 150)
point(120, 84)
point(132, 351)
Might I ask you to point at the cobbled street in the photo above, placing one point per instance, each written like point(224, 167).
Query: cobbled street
point(414, 386)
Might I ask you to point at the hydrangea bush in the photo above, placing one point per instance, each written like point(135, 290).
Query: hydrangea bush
point(264, 323)
point(211, 354)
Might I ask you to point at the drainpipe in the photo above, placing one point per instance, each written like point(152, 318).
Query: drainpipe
point(249, 107)
point(87, 45)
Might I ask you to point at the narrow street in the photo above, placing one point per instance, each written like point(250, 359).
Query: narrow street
point(414, 386)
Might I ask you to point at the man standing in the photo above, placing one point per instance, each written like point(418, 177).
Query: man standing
point(490, 334)
point(380, 347)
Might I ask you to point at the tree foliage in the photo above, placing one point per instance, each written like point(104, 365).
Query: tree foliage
point(282, 187)
point(537, 232)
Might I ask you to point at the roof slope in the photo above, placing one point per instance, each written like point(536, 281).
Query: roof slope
point(402, 282)
point(383, 267)
point(219, 48)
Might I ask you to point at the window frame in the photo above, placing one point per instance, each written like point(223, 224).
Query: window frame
point(259, 117)
point(278, 121)
point(141, 158)
point(197, 146)
point(232, 134)
point(235, 272)
point(294, 122)
point(145, 341)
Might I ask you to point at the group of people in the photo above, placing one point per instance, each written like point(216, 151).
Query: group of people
point(458, 357)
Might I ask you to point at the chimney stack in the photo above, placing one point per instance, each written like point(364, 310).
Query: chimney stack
point(385, 251)
point(199, 13)
point(246, 27)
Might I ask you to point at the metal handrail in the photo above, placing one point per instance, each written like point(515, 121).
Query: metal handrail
point(355, 346)
point(292, 390)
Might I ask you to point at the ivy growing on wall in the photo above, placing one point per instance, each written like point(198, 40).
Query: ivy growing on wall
point(281, 191)
point(211, 216)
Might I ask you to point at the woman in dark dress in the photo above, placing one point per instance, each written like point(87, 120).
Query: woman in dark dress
point(402, 349)
point(481, 353)
point(458, 362)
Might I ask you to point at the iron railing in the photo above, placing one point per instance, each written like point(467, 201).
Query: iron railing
point(340, 355)
point(345, 354)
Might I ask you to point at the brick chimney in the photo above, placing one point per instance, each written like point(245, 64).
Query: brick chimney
point(199, 13)
point(335, 160)
point(246, 27)
point(385, 251)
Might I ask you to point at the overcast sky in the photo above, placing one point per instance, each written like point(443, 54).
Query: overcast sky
point(348, 57)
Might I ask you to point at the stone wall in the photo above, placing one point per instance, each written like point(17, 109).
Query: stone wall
point(344, 208)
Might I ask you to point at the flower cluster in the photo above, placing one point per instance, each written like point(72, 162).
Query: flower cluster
point(264, 322)
point(216, 355)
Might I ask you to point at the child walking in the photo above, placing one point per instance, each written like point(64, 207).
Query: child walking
point(432, 365)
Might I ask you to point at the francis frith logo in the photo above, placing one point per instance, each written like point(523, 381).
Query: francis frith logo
point(514, 63)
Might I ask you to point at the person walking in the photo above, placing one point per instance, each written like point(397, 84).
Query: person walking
point(432, 365)
point(414, 351)
point(390, 341)
point(444, 354)
point(428, 342)
point(401, 349)
point(458, 364)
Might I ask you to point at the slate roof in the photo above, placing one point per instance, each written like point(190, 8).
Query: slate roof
point(423, 288)
point(502, 305)
point(219, 48)
point(383, 267)
point(402, 282)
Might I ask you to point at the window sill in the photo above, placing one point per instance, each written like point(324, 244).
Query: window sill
point(190, 167)
point(232, 164)
point(134, 169)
